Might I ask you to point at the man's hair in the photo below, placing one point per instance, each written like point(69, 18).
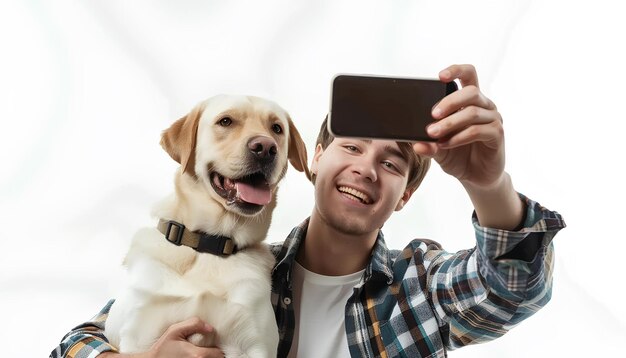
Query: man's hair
point(418, 165)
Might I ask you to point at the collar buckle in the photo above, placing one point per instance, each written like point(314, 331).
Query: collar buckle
point(180, 229)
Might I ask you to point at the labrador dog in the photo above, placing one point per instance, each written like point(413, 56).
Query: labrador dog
point(206, 257)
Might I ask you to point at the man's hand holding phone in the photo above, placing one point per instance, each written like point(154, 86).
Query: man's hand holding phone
point(470, 147)
point(468, 130)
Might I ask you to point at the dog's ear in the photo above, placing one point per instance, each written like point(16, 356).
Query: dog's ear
point(297, 150)
point(179, 140)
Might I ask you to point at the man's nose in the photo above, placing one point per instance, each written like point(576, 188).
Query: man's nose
point(366, 168)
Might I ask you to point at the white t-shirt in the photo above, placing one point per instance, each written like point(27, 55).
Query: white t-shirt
point(319, 304)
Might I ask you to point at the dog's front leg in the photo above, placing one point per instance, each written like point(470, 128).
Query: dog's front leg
point(255, 333)
point(268, 329)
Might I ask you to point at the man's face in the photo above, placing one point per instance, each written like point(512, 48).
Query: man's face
point(359, 183)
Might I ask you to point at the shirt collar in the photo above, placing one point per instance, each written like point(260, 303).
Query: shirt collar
point(379, 267)
point(289, 249)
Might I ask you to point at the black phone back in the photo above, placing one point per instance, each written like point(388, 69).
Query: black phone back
point(384, 107)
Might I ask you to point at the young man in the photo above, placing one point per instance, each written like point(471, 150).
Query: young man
point(339, 292)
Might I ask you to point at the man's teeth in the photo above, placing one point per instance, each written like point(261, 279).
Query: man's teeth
point(364, 198)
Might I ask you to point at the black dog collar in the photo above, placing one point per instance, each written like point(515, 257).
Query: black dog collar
point(177, 234)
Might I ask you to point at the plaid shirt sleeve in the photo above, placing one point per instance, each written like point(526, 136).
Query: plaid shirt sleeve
point(86, 340)
point(480, 294)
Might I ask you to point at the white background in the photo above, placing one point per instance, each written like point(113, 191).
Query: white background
point(87, 86)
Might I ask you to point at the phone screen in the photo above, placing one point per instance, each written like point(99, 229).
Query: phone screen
point(384, 107)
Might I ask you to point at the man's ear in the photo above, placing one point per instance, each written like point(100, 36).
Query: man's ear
point(403, 200)
point(316, 158)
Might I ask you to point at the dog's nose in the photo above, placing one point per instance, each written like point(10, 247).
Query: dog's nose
point(263, 147)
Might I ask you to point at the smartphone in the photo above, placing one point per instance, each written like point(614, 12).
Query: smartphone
point(376, 107)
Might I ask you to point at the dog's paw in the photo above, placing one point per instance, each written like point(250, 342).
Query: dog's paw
point(202, 340)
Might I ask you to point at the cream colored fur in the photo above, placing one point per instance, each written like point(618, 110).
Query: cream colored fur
point(168, 283)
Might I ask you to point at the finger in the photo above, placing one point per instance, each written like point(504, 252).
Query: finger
point(465, 73)
point(490, 134)
point(467, 96)
point(425, 149)
point(189, 327)
point(464, 118)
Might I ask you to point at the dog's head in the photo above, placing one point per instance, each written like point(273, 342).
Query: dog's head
point(238, 147)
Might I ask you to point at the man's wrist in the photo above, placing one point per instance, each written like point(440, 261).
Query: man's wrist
point(497, 206)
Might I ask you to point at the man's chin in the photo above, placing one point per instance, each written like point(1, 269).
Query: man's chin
point(350, 227)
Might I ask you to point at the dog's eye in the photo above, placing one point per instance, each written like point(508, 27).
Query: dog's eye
point(225, 122)
point(277, 128)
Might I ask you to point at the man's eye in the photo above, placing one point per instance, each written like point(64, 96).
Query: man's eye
point(352, 148)
point(390, 165)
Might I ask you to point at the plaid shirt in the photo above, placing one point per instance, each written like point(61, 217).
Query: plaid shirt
point(418, 302)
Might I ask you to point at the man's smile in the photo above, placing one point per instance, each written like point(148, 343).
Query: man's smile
point(355, 194)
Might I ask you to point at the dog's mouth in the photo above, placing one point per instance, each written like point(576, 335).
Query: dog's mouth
point(249, 193)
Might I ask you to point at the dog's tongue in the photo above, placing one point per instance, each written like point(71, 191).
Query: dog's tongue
point(259, 194)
